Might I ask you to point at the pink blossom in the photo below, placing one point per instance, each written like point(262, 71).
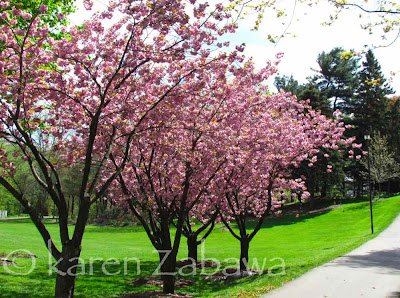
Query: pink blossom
point(42, 8)
point(26, 16)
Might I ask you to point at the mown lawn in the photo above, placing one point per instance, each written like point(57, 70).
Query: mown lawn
point(303, 243)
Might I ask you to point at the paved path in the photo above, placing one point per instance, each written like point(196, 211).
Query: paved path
point(372, 270)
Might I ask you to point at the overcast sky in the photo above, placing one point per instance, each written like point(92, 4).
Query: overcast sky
point(300, 53)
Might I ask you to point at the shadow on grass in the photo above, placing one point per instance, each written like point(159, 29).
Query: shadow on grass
point(118, 279)
point(282, 220)
point(293, 218)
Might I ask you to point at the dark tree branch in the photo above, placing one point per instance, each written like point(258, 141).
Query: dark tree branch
point(34, 216)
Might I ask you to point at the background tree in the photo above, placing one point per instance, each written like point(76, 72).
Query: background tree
point(383, 166)
point(288, 84)
point(369, 105)
point(369, 108)
point(361, 94)
point(202, 216)
point(336, 77)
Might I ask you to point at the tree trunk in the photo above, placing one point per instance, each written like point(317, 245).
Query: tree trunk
point(73, 205)
point(313, 190)
point(358, 190)
point(66, 273)
point(244, 254)
point(324, 189)
point(192, 248)
point(379, 190)
point(168, 264)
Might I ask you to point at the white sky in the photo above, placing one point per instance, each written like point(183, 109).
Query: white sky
point(300, 53)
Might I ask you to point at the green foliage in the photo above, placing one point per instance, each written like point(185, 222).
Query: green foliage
point(318, 98)
point(361, 94)
point(8, 202)
point(288, 84)
point(52, 16)
point(336, 76)
point(369, 104)
point(383, 166)
point(393, 119)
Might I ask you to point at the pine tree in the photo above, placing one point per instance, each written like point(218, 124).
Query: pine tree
point(336, 76)
point(318, 99)
point(288, 84)
point(370, 102)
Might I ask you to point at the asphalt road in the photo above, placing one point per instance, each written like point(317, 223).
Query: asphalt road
point(370, 271)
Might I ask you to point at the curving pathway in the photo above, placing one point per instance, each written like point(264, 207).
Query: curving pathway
point(370, 271)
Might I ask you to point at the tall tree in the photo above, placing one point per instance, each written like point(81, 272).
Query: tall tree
point(394, 125)
point(336, 76)
point(369, 105)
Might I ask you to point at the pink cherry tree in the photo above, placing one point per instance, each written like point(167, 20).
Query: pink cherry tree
point(275, 134)
point(202, 216)
point(170, 174)
point(243, 82)
point(87, 97)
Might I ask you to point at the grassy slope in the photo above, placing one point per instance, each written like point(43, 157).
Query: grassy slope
point(303, 243)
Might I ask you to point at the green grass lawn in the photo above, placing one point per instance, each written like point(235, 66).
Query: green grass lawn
point(303, 243)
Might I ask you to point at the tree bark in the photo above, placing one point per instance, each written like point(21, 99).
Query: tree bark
point(324, 189)
point(244, 254)
point(358, 190)
point(66, 272)
point(192, 248)
point(168, 264)
point(73, 206)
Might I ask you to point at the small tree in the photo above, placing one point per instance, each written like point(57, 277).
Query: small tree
point(383, 166)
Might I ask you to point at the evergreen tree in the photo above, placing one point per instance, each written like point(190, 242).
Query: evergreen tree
point(394, 137)
point(288, 84)
point(394, 125)
point(318, 99)
point(369, 105)
point(336, 76)
point(369, 109)
point(309, 91)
